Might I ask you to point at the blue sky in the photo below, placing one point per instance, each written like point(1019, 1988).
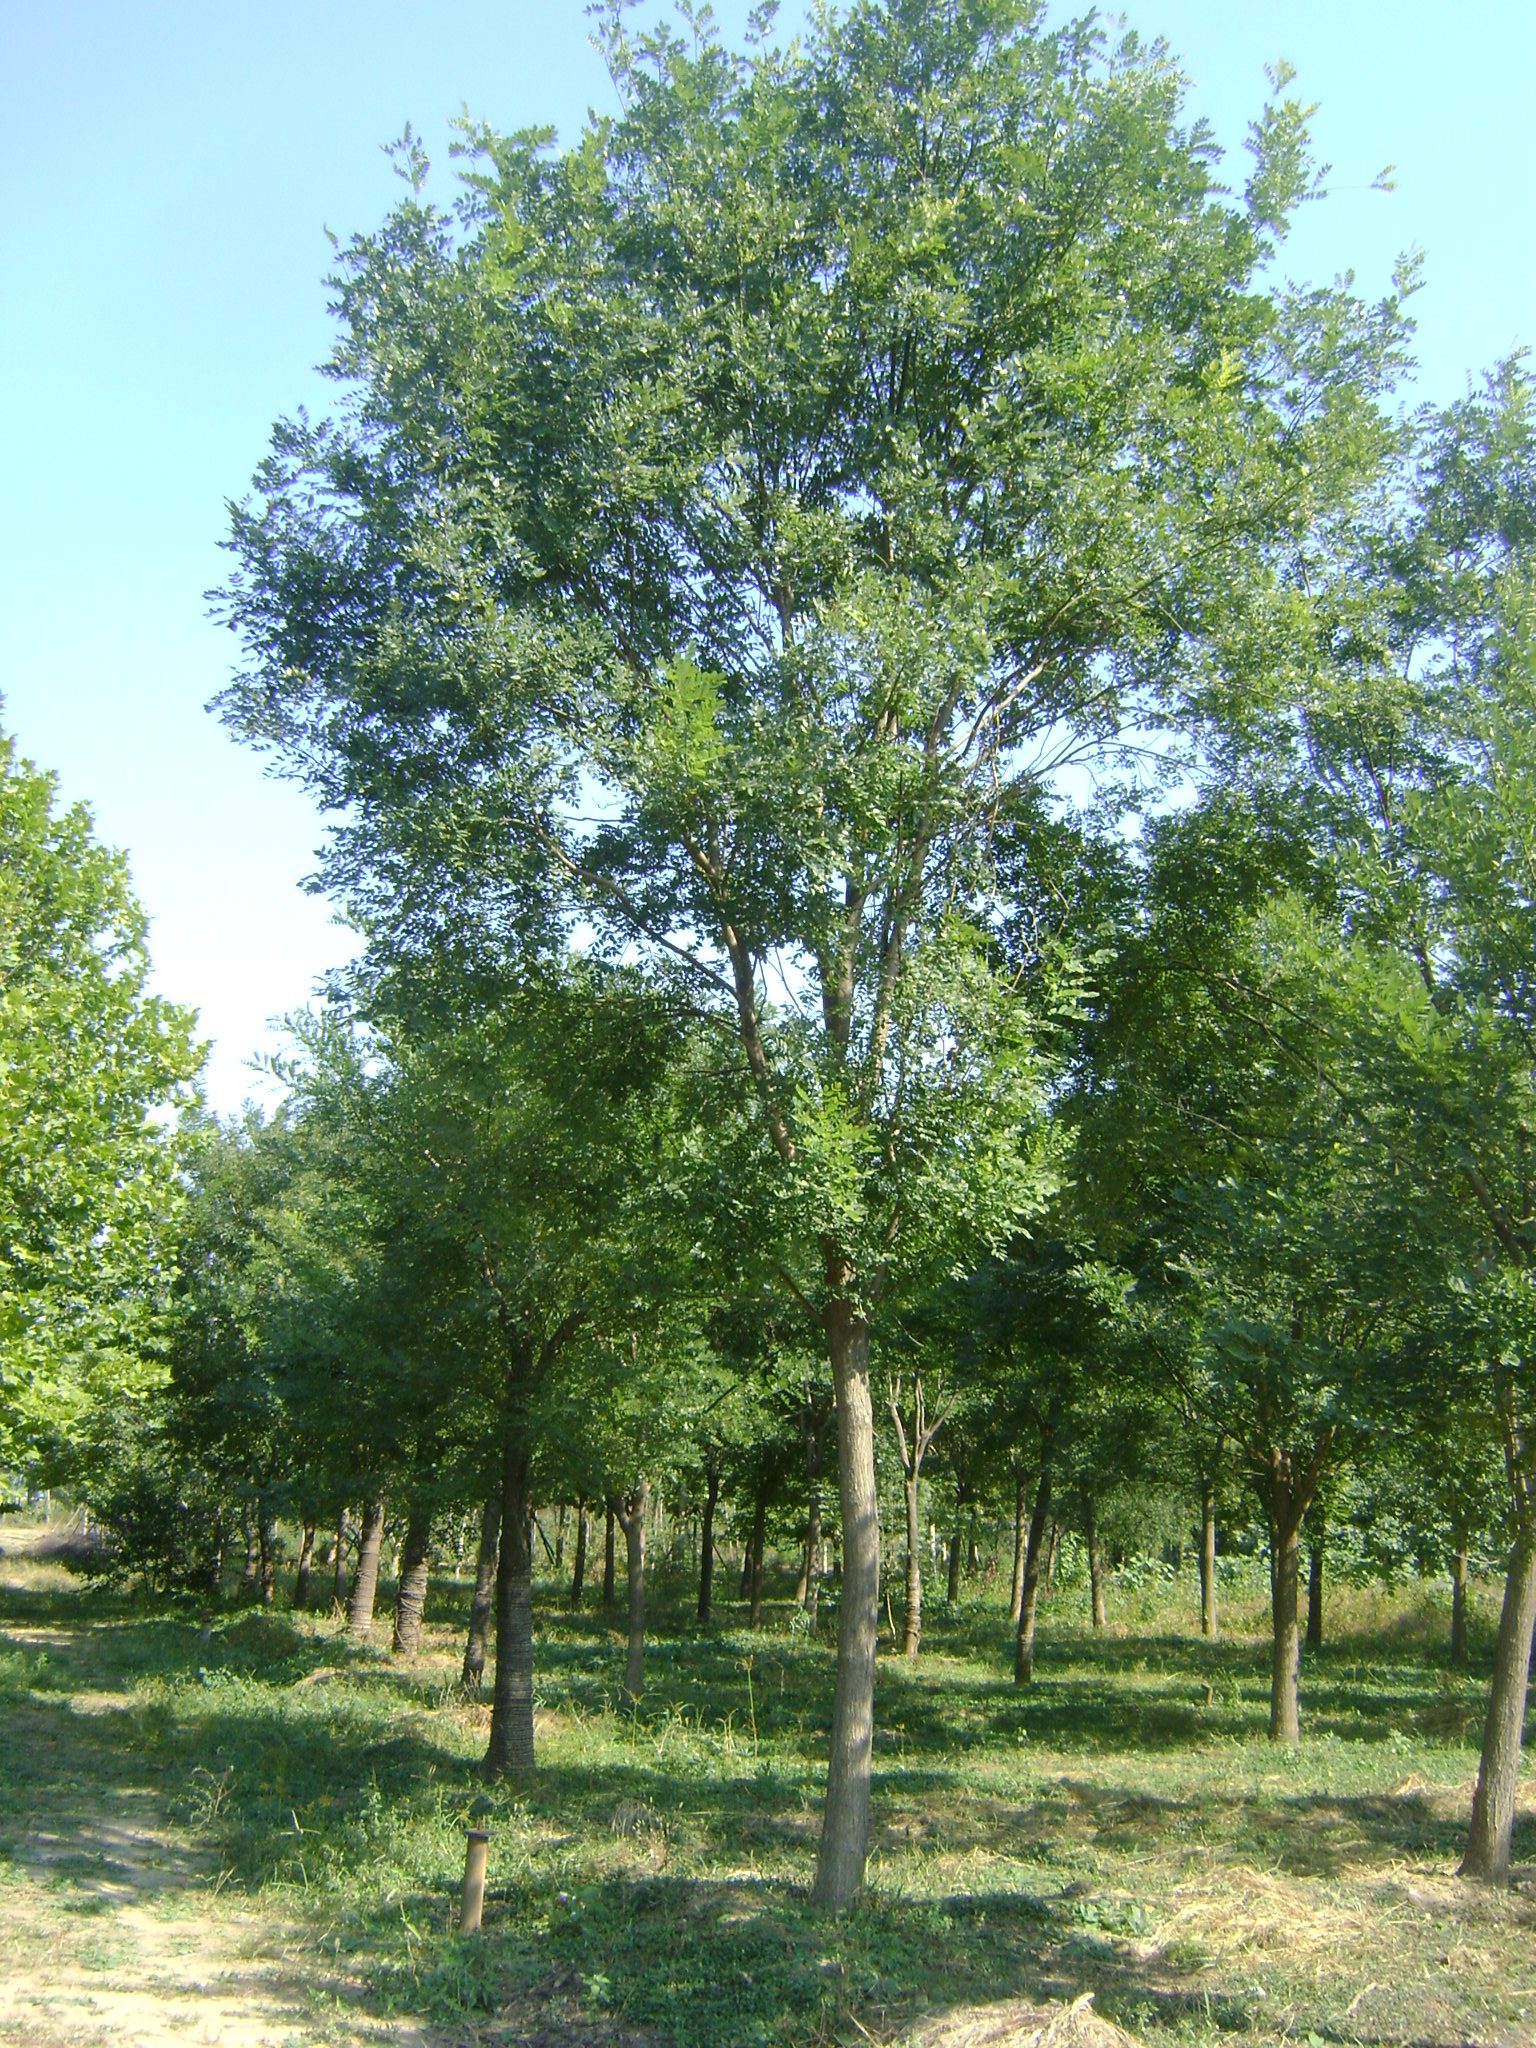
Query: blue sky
point(170, 170)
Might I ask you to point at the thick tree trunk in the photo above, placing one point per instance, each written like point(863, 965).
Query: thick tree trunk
point(250, 1577)
point(306, 1556)
point(608, 1585)
point(755, 1561)
point(579, 1566)
point(483, 1598)
point(411, 1590)
point(1284, 1573)
point(1459, 1609)
point(1208, 1622)
point(707, 1544)
point(952, 1586)
point(1315, 1597)
point(339, 1561)
point(1020, 1542)
point(1498, 1773)
point(1024, 1641)
point(633, 1520)
point(845, 1819)
point(1095, 1568)
point(365, 1579)
point(912, 1613)
point(268, 1537)
point(510, 1751)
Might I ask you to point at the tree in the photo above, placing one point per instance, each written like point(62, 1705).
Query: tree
point(781, 471)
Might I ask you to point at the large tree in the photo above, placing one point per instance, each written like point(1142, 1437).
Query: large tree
point(734, 517)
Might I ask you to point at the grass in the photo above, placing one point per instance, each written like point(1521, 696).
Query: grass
point(1122, 1826)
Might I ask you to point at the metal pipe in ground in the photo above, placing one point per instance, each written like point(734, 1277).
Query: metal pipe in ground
point(475, 1842)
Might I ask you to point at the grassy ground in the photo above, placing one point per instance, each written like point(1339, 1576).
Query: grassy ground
point(296, 1807)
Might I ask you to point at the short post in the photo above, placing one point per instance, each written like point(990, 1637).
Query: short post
point(474, 1880)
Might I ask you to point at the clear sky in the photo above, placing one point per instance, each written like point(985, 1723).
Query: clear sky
point(170, 168)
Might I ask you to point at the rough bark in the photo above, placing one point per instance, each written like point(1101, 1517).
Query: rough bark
point(411, 1588)
point(1095, 1566)
point(510, 1750)
point(365, 1579)
point(1285, 1572)
point(1020, 1540)
point(632, 1520)
point(579, 1564)
point(1459, 1609)
point(608, 1562)
point(755, 1561)
point(339, 1561)
point(484, 1594)
point(1315, 1597)
point(1208, 1621)
point(1498, 1774)
point(306, 1557)
point(1024, 1640)
point(845, 1818)
point(707, 1543)
point(267, 1529)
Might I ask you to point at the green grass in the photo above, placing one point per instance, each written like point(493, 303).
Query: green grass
point(1122, 1826)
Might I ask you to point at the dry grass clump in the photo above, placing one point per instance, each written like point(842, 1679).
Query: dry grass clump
point(1015, 2023)
point(1239, 1912)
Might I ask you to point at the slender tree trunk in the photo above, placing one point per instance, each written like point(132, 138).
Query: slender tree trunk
point(1020, 1542)
point(339, 1561)
point(810, 1597)
point(560, 1537)
point(1285, 1573)
point(365, 1579)
point(1459, 1609)
point(268, 1539)
point(1052, 1552)
point(1024, 1641)
point(411, 1588)
point(484, 1596)
point(1498, 1773)
point(1208, 1622)
point(845, 1819)
point(912, 1615)
point(1095, 1567)
point(608, 1585)
point(250, 1577)
point(952, 1587)
point(306, 1555)
point(579, 1567)
point(510, 1751)
point(707, 1544)
point(633, 1520)
point(755, 1561)
point(1315, 1597)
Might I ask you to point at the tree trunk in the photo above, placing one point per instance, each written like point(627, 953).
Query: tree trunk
point(339, 1561)
point(845, 1819)
point(1315, 1597)
point(608, 1588)
point(1459, 1609)
point(1498, 1773)
point(1024, 1641)
point(912, 1614)
point(1052, 1552)
point(633, 1520)
point(365, 1579)
point(250, 1577)
point(510, 1751)
point(560, 1537)
point(755, 1561)
point(707, 1544)
point(579, 1566)
point(952, 1588)
point(1020, 1540)
point(1208, 1623)
point(810, 1597)
point(1284, 1568)
point(484, 1594)
point(411, 1590)
point(301, 1576)
point(268, 1537)
point(1095, 1568)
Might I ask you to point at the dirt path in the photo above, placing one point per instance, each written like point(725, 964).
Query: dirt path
point(112, 1929)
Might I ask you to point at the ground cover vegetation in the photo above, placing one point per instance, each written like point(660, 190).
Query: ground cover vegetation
point(937, 783)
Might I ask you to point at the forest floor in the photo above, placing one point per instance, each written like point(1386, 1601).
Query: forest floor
point(254, 1837)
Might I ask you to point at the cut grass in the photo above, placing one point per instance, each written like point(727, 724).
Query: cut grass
point(1121, 1827)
